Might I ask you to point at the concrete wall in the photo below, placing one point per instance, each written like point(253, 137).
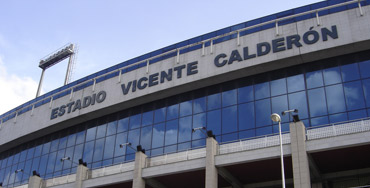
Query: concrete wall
point(353, 31)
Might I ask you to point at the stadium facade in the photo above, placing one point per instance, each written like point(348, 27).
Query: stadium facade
point(314, 58)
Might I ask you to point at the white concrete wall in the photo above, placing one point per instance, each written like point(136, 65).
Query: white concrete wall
point(353, 31)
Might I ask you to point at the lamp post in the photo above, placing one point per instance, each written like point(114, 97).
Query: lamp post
point(276, 118)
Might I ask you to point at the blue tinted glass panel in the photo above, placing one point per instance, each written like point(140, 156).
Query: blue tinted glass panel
point(133, 138)
point(229, 97)
point(80, 137)
point(102, 129)
point(284, 128)
point(71, 140)
point(338, 117)
point(185, 126)
point(43, 164)
point(109, 147)
point(199, 105)
point(45, 149)
point(135, 121)
point(158, 135)
point(88, 152)
point(121, 139)
point(295, 83)
point(199, 120)
point(58, 163)
point(262, 90)
point(319, 121)
point(314, 79)
point(62, 142)
point(263, 112)
point(35, 164)
point(122, 125)
point(198, 143)
point(172, 111)
point(90, 134)
point(247, 134)
point(350, 72)
point(112, 128)
point(263, 131)
point(278, 87)
point(229, 137)
point(332, 76)
point(280, 104)
point(54, 145)
point(184, 146)
point(171, 132)
point(229, 119)
point(335, 99)
point(354, 95)
point(214, 121)
point(147, 118)
point(69, 153)
point(299, 101)
point(159, 115)
point(158, 151)
point(357, 114)
point(366, 87)
point(186, 108)
point(214, 101)
point(246, 116)
point(170, 149)
point(146, 137)
point(245, 94)
point(29, 154)
point(317, 102)
point(364, 68)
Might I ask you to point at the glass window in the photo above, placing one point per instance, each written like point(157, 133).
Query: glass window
point(58, 162)
point(338, 117)
point(120, 139)
point(148, 118)
point(364, 68)
point(77, 154)
point(247, 134)
point(278, 87)
point(88, 152)
point(229, 137)
point(62, 142)
point(69, 153)
point(264, 131)
point(229, 119)
point(170, 149)
point(109, 147)
point(30, 153)
point(185, 126)
point(146, 137)
point(198, 143)
point(184, 146)
point(46, 148)
point(229, 97)
point(111, 128)
point(319, 121)
point(280, 104)
point(357, 114)
point(354, 95)
point(284, 128)
point(42, 168)
point(158, 151)
point(71, 140)
point(159, 115)
point(135, 121)
point(299, 101)
point(295, 83)
point(171, 132)
point(186, 108)
point(366, 87)
point(245, 94)
point(27, 170)
point(317, 102)
point(199, 120)
point(158, 135)
point(214, 121)
point(263, 112)
point(262, 90)
point(314, 79)
point(133, 138)
point(246, 116)
point(102, 129)
point(332, 76)
point(90, 134)
point(54, 145)
point(80, 137)
point(335, 99)
point(199, 105)
point(214, 101)
point(35, 164)
point(98, 150)
point(350, 72)
point(122, 125)
point(172, 111)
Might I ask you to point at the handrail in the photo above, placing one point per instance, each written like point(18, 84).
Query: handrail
point(184, 47)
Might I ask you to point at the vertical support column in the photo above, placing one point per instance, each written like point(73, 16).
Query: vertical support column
point(40, 83)
point(81, 175)
point(301, 170)
point(138, 181)
point(35, 182)
point(211, 170)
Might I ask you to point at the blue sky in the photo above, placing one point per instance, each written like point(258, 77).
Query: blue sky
point(106, 32)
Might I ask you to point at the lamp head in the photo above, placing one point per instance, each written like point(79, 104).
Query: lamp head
point(275, 117)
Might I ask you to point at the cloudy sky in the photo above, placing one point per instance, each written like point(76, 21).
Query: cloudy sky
point(106, 32)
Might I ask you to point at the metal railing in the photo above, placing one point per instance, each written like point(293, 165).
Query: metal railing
point(115, 169)
point(338, 129)
point(177, 50)
point(176, 157)
point(253, 143)
point(60, 180)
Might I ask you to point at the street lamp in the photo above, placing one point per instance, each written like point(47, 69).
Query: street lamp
point(276, 118)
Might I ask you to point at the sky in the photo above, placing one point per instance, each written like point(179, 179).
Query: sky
point(107, 32)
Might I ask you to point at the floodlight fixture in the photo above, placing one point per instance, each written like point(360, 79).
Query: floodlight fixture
point(204, 131)
point(125, 144)
point(65, 158)
point(289, 111)
point(19, 170)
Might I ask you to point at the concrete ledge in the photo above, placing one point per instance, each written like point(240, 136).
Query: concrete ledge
point(174, 168)
point(107, 180)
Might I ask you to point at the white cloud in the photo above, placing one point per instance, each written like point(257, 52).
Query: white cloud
point(15, 90)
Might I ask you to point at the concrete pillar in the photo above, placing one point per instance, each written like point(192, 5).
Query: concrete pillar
point(138, 181)
point(35, 182)
point(81, 175)
point(301, 170)
point(211, 170)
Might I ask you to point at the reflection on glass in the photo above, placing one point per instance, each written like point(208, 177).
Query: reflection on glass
point(229, 97)
point(229, 137)
point(171, 132)
point(111, 128)
point(314, 79)
point(185, 126)
point(364, 69)
point(88, 152)
point(280, 104)
point(214, 101)
point(354, 95)
point(247, 134)
point(120, 139)
point(90, 134)
point(263, 131)
point(338, 118)
point(158, 135)
point(366, 87)
point(147, 118)
point(295, 83)
point(245, 94)
point(332, 76)
point(186, 108)
point(146, 137)
point(229, 119)
point(170, 149)
point(133, 138)
point(199, 105)
point(262, 90)
point(135, 121)
point(199, 120)
point(350, 72)
point(317, 102)
point(109, 147)
point(184, 146)
point(172, 112)
point(335, 99)
point(319, 121)
point(284, 128)
point(278, 87)
point(122, 125)
point(357, 114)
point(299, 101)
point(214, 121)
point(159, 115)
point(246, 116)
point(263, 113)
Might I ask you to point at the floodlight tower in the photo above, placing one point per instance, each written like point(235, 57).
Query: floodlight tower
point(66, 51)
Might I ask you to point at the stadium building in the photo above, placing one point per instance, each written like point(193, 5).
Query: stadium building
point(197, 113)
